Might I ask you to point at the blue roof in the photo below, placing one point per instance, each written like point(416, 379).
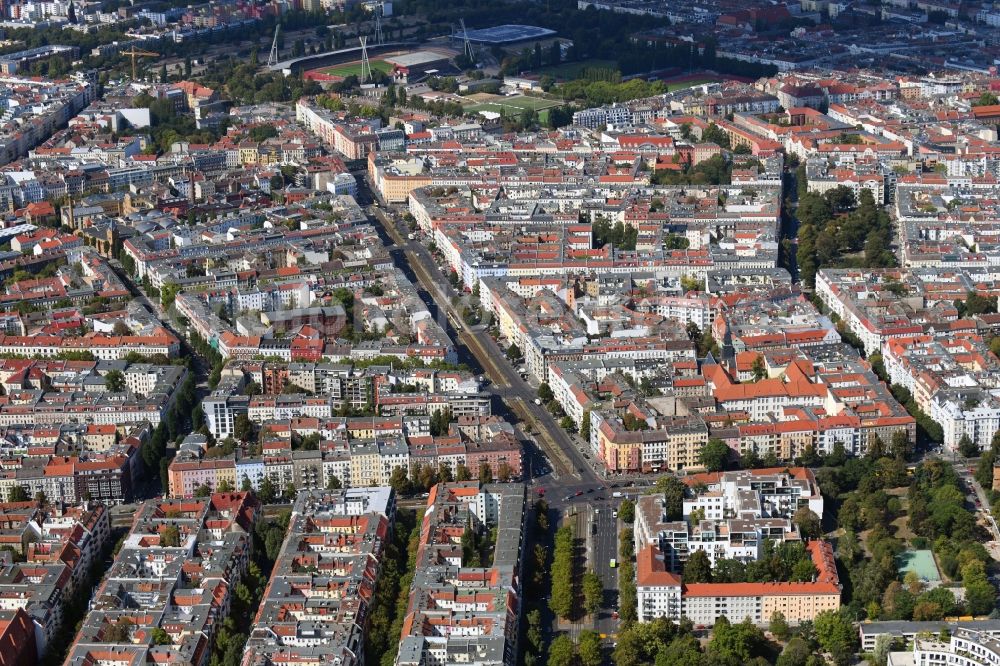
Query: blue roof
point(505, 34)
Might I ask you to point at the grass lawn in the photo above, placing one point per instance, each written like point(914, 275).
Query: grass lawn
point(574, 70)
point(354, 69)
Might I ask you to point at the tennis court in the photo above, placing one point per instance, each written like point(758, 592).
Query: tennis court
point(921, 562)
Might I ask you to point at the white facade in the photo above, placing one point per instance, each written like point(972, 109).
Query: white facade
point(966, 648)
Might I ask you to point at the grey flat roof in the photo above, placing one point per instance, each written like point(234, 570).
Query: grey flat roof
point(415, 58)
point(904, 627)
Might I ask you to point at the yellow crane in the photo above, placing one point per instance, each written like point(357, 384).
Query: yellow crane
point(134, 53)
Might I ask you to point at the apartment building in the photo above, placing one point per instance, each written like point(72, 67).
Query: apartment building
point(316, 605)
point(662, 593)
point(175, 572)
point(965, 647)
point(731, 515)
point(950, 379)
point(458, 614)
point(56, 546)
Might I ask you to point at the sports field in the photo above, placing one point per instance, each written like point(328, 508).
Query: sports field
point(921, 562)
point(496, 103)
point(678, 85)
point(354, 69)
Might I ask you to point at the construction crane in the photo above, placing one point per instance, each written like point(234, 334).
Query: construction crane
point(134, 53)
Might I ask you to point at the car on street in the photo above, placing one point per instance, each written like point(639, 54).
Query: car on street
point(578, 493)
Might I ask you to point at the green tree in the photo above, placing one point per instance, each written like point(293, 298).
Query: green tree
point(514, 353)
point(170, 536)
point(807, 522)
point(399, 481)
point(160, 637)
point(778, 626)
point(796, 653)
point(589, 648)
point(545, 392)
point(759, 369)
point(698, 568)
point(242, 427)
point(814, 210)
point(713, 134)
point(987, 99)
point(204, 490)
point(593, 592)
point(626, 511)
point(835, 634)
point(561, 651)
point(673, 491)
point(168, 293)
point(980, 596)
point(714, 455)
point(462, 473)
point(883, 646)
point(114, 381)
point(562, 600)
point(900, 445)
point(119, 632)
point(736, 643)
point(17, 494)
point(268, 493)
point(967, 448)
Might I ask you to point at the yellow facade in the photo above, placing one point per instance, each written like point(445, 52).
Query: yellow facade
point(365, 469)
point(396, 189)
point(684, 449)
point(798, 608)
